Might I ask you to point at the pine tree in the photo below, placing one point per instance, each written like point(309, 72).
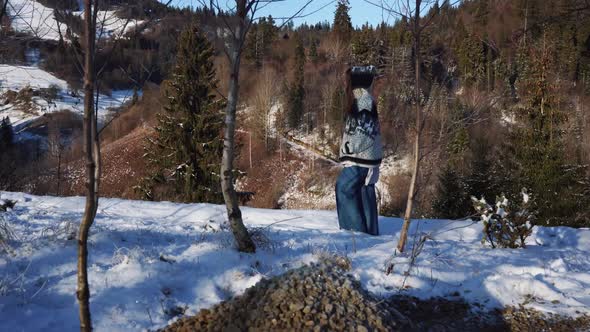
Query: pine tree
point(260, 39)
point(6, 135)
point(471, 57)
point(297, 89)
point(538, 150)
point(8, 154)
point(342, 22)
point(185, 154)
point(452, 199)
point(364, 50)
point(482, 180)
point(313, 51)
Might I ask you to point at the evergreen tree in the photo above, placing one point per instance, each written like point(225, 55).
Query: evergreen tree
point(185, 154)
point(313, 51)
point(452, 200)
point(6, 135)
point(342, 22)
point(452, 196)
point(382, 50)
point(8, 154)
point(538, 148)
point(482, 182)
point(364, 50)
point(260, 39)
point(297, 89)
point(400, 34)
point(471, 57)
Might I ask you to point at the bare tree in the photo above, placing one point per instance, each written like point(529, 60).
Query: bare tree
point(416, 32)
point(236, 29)
point(412, 12)
point(264, 97)
point(92, 158)
point(56, 150)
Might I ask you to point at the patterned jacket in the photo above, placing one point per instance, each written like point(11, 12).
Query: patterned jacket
point(361, 142)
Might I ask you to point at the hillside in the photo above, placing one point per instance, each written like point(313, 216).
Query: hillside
point(150, 262)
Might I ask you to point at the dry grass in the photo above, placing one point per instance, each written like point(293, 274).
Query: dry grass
point(268, 190)
point(397, 189)
point(140, 114)
point(6, 233)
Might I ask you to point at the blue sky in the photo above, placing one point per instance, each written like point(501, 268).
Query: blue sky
point(317, 11)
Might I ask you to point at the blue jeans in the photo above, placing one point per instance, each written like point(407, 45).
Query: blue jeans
point(356, 203)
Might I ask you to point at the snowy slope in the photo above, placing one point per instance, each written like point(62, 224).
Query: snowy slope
point(31, 17)
point(16, 78)
point(148, 257)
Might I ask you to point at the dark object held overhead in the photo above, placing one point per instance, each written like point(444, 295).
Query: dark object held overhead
point(362, 76)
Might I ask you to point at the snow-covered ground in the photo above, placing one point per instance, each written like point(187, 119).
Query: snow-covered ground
point(147, 257)
point(16, 78)
point(32, 17)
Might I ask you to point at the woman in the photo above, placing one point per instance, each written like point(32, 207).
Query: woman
point(360, 154)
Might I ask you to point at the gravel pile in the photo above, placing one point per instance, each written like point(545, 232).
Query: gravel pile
point(323, 297)
point(456, 315)
point(524, 319)
point(320, 297)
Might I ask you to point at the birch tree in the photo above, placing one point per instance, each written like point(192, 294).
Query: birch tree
point(234, 34)
point(92, 158)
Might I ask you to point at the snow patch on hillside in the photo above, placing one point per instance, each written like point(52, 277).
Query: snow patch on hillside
point(16, 78)
point(146, 258)
point(31, 17)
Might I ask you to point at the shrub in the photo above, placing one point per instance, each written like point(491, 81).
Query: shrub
point(505, 227)
point(449, 202)
point(6, 232)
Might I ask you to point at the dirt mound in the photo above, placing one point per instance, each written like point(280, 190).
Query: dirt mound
point(312, 298)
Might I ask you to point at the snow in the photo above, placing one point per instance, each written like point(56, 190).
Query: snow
point(16, 78)
point(32, 17)
point(146, 257)
point(29, 16)
point(111, 25)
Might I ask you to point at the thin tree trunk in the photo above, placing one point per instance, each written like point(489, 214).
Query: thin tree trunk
point(83, 292)
point(96, 152)
point(412, 191)
point(489, 67)
point(3, 6)
point(59, 169)
point(243, 239)
point(526, 19)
